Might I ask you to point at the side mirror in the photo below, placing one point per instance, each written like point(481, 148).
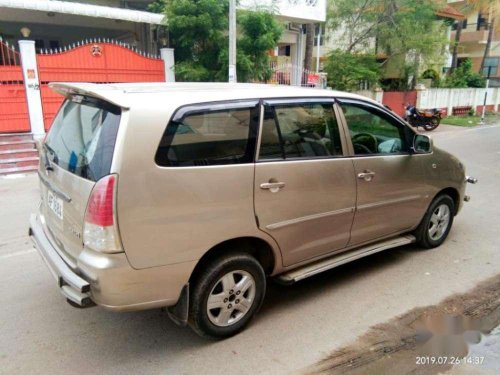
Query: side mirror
point(422, 144)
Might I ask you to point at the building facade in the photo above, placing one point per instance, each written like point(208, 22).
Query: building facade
point(473, 39)
point(329, 40)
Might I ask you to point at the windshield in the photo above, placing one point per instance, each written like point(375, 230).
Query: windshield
point(83, 135)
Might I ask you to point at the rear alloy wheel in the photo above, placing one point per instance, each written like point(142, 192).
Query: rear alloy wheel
point(231, 298)
point(436, 223)
point(226, 295)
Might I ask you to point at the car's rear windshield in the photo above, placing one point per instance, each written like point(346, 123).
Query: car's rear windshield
point(83, 135)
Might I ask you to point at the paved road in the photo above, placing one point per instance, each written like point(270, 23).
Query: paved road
point(297, 326)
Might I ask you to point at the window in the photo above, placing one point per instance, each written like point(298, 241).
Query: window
point(300, 131)
point(83, 135)
point(490, 66)
point(211, 137)
point(284, 50)
point(372, 132)
point(322, 37)
point(482, 22)
point(454, 26)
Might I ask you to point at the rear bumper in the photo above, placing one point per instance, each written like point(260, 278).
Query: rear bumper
point(72, 286)
point(108, 280)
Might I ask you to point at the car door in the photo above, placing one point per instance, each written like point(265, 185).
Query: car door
point(305, 187)
point(391, 190)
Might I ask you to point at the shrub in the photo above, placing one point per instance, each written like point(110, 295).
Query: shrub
point(463, 76)
point(346, 70)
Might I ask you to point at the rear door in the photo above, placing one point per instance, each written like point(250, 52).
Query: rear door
point(305, 189)
point(77, 152)
point(391, 194)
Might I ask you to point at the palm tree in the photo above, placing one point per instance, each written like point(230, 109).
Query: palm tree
point(454, 55)
point(310, 31)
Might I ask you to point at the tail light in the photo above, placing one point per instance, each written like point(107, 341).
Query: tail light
point(100, 229)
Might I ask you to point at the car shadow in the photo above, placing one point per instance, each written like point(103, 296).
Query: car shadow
point(278, 294)
point(151, 333)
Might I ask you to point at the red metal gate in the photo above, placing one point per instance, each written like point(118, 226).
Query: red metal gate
point(97, 62)
point(397, 100)
point(13, 109)
point(90, 61)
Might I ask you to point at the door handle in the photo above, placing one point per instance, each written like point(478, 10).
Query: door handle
point(272, 186)
point(366, 175)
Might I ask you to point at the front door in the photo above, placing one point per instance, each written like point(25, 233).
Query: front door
point(391, 189)
point(305, 189)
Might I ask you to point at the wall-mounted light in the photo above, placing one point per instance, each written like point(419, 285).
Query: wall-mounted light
point(25, 32)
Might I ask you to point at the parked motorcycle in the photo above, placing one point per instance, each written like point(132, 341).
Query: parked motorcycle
point(429, 119)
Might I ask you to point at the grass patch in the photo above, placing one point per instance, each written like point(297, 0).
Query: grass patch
point(470, 121)
point(466, 121)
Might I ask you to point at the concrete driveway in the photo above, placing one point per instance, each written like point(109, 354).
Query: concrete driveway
point(297, 326)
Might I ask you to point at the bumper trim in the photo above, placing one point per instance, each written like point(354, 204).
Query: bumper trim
point(72, 285)
point(73, 295)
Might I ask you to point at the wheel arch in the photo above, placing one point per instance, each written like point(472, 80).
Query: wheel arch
point(262, 250)
point(454, 194)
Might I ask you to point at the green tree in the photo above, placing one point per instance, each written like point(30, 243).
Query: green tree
point(346, 69)
point(198, 33)
point(405, 30)
point(197, 30)
point(259, 32)
point(463, 76)
point(157, 6)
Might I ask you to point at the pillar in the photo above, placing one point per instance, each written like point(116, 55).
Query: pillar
point(32, 86)
point(167, 55)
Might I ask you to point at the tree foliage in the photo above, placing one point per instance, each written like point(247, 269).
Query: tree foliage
point(463, 76)
point(407, 30)
point(259, 33)
point(198, 31)
point(346, 69)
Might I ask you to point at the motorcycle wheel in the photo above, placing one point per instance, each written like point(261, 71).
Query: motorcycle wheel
point(434, 123)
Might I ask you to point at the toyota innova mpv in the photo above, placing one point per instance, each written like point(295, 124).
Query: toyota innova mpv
point(190, 196)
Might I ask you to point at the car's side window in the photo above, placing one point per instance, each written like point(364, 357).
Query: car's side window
point(372, 132)
point(305, 130)
point(211, 137)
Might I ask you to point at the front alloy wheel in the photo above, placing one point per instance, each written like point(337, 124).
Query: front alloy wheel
point(439, 222)
point(436, 223)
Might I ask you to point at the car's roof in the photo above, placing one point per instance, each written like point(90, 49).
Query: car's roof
point(125, 94)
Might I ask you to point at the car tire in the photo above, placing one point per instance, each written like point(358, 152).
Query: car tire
point(437, 222)
point(234, 285)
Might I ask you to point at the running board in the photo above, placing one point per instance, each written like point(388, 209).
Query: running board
point(343, 258)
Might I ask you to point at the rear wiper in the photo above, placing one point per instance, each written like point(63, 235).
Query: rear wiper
point(55, 158)
point(46, 162)
point(85, 169)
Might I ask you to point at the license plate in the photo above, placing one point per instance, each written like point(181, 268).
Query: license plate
point(55, 204)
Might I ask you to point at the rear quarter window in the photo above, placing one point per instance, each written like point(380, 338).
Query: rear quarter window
point(210, 137)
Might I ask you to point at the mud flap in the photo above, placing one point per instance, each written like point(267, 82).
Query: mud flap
point(180, 311)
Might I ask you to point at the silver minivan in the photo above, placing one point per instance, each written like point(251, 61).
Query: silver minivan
point(189, 196)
